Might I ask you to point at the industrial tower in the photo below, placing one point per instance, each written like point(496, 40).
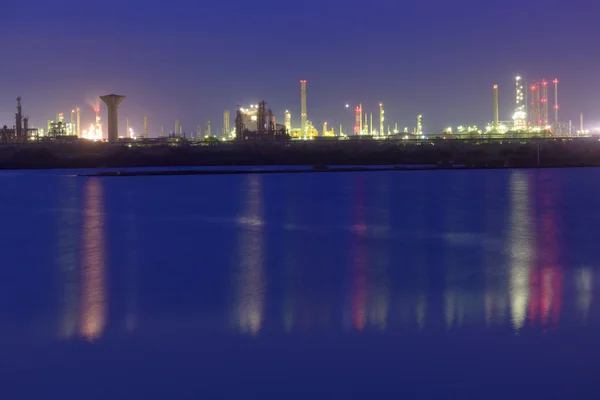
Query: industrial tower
point(544, 103)
point(303, 115)
point(226, 123)
point(555, 81)
point(288, 121)
point(520, 115)
point(145, 127)
point(78, 116)
point(358, 123)
point(112, 102)
point(496, 111)
point(381, 120)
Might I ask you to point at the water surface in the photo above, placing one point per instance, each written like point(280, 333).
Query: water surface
point(424, 284)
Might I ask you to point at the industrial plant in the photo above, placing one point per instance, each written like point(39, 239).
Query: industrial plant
point(532, 116)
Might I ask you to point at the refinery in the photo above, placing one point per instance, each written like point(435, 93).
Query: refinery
point(533, 116)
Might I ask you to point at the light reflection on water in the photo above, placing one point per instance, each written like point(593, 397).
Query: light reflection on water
point(383, 257)
point(93, 302)
point(250, 275)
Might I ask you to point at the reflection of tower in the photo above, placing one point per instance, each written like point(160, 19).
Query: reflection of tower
point(93, 301)
point(359, 269)
point(585, 290)
point(379, 298)
point(521, 238)
point(112, 102)
point(546, 296)
point(131, 238)
point(304, 115)
point(68, 247)
point(251, 279)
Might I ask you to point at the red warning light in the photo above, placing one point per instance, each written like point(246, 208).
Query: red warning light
point(555, 81)
point(495, 86)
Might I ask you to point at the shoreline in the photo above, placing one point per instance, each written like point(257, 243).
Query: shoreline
point(402, 155)
point(233, 171)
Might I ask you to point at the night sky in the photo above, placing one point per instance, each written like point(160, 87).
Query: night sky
point(190, 60)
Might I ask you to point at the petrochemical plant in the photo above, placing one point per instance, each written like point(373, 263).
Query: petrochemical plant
point(531, 118)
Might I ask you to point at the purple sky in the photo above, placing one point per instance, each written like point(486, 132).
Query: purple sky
point(190, 60)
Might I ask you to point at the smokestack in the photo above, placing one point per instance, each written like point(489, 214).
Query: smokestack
point(303, 115)
point(358, 123)
point(19, 119)
point(25, 128)
point(555, 81)
point(207, 130)
point(127, 134)
point(78, 112)
point(226, 123)
point(496, 111)
point(112, 102)
point(73, 122)
point(198, 132)
point(371, 124)
point(360, 132)
point(381, 120)
point(581, 124)
point(145, 127)
point(324, 129)
point(176, 128)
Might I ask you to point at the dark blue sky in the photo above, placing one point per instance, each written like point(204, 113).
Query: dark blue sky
point(192, 59)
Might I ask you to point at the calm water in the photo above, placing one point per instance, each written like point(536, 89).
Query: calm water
point(427, 284)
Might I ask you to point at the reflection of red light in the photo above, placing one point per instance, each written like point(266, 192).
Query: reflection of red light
point(359, 289)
